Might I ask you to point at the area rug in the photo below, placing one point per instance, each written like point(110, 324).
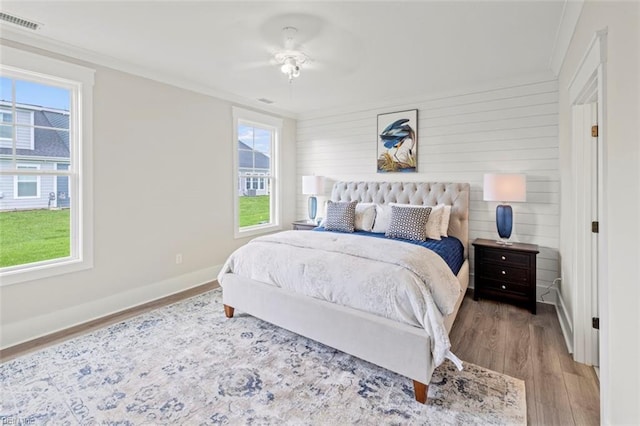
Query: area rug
point(188, 364)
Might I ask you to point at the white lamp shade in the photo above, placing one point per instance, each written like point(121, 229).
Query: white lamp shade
point(312, 185)
point(505, 187)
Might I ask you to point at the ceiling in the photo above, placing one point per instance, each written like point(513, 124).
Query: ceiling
point(361, 51)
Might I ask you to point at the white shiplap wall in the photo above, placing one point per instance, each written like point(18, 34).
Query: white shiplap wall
point(509, 127)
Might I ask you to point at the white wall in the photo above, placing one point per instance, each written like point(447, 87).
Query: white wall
point(620, 368)
point(508, 126)
point(163, 185)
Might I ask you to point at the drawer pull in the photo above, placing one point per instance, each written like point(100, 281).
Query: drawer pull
point(504, 272)
point(504, 287)
point(503, 257)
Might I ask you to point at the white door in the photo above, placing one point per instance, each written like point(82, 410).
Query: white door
point(594, 172)
point(587, 196)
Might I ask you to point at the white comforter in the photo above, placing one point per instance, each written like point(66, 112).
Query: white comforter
point(399, 281)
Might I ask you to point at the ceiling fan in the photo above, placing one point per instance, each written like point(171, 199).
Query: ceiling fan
point(290, 59)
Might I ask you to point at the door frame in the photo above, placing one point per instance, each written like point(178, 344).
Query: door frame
point(589, 85)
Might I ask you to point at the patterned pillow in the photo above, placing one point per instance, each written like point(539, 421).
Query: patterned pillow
point(341, 216)
point(408, 223)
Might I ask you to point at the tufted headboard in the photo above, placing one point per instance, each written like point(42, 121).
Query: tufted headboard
point(420, 193)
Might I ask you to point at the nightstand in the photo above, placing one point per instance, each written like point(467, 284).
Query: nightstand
point(506, 273)
point(303, 225)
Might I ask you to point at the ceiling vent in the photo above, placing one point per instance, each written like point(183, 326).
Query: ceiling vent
point(19, 21)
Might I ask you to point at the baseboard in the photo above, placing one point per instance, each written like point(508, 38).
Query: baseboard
point(565, 322)
point(16, 333)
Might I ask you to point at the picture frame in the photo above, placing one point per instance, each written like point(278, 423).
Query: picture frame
point(397, 142)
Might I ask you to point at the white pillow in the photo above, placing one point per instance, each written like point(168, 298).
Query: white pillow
point(383, 218)
point(444, 226)
point(365, 216)
point(435, 221)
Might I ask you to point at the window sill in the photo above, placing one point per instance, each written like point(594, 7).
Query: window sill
point(257, 230)
point(42, 270)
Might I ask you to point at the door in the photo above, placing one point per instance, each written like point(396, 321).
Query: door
point(587, 195)
point(594, 178)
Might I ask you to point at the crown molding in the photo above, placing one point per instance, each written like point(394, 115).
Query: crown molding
point(568, 21)
point(90, 57)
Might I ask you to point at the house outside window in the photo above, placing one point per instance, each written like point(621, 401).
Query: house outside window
point(45, 138)
point(5, 125)
point(24, 123)
point(256, 204)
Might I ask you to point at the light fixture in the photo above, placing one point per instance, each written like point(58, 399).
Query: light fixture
point(312, 185)
point(290, 59)
point(504, 188)
point(291, 67)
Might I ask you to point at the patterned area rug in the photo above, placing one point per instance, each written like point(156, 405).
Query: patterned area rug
point(187, 364)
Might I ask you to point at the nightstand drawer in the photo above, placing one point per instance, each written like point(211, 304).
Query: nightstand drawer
point(506, 287)
point(505, 273)
point(502, 256)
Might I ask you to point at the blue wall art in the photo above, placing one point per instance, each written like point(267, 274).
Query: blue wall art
point(398, 141)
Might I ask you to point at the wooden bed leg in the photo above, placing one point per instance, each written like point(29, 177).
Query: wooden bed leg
point(420, 390)
point(228, 311)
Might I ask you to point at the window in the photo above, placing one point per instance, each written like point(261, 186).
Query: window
point(45, 141)
point(256, 139)
point(27, 186)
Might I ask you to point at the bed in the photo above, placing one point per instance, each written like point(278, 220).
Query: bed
point(404, 348)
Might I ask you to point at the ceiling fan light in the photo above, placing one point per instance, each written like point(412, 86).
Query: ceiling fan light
point(290, 59)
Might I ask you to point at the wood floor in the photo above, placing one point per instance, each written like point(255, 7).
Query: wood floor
point(494, 335)
point(511, 340)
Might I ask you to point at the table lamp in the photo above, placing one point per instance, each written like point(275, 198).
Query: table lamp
point(504, 188)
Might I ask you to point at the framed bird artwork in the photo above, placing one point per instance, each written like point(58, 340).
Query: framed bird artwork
point(398, 141)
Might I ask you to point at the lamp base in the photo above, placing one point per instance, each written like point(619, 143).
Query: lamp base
point(504, 223)
point(313, 209)
point(504, 242)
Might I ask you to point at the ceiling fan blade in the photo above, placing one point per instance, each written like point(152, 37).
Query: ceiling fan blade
point(252, 65)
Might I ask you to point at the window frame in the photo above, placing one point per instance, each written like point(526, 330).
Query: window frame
point(16, 180)
point(274, 124)
point(79, 80)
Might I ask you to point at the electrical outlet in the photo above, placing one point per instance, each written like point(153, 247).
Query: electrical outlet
point(178, 258)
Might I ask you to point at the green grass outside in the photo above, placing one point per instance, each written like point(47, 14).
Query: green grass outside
point(254, 210)
point(33, 236)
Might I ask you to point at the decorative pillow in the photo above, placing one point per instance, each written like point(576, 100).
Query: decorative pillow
point(341, 216)
point(408, 223)
point(365, 216)
point(444, 226)
point(383, 218)
point(435, 222)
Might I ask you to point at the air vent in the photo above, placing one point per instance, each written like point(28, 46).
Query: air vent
point(19, 21)
point(265, 100)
